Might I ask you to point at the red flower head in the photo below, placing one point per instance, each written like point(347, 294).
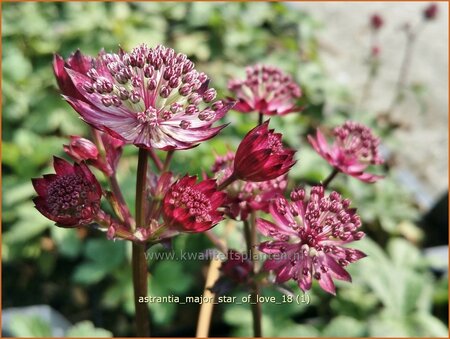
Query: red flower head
point(71, 197)
point(430, 12)
point(353, 150)
point(308, 238)
point(81, 149)
point(151, 97)
point(245, 197)
point(267, 90)
point(261, 155)
point(376, 21)
point(191, 207)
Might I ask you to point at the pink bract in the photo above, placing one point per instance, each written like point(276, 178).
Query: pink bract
point(309, 237)
point(353, 150)
point(261, 155)
point(266, 90)
point(150, 97)
point(243, 198)
point(71, 197)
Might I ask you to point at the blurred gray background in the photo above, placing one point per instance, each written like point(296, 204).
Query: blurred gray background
point(345, 42)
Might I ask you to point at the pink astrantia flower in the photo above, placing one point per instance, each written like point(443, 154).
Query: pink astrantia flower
point(267, 90)
point(309, 235)
point(71, 197)
point(81, 149)
point(261, 155)
point(246, 197)
point(191, 207)
point(151, 97)
point(353, 150)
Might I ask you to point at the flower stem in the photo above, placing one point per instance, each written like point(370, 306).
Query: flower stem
point(327, 181)
point(411, 36)
point(167, 161)
point(250, 239)
point(260, 118)
point(157, 161)
point(227, 182)
point(139, 261)
point(113, 183)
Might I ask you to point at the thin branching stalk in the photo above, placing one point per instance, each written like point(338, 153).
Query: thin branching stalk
point(139, 261)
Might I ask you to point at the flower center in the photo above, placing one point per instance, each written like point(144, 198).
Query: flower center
point(68, 195)
point(195, 202)
point(357, 141)
point(275, 144)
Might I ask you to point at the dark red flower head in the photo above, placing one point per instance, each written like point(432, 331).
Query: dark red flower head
point(191, 207)
point(376, 21)
point(71, 197)
point(430, 12)
point(261, 155)
point(149, 97)
point(309, 238)
point(245, 197)
point(267, 90)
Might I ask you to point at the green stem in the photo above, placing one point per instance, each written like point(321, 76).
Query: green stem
point(157, 161)
point(260, 118)
point(167, 161)
point(327, 181)
point(250, 239)
point(139, 261)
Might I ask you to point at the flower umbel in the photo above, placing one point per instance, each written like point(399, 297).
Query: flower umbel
point(191, 207)
point(267, 90)
point(71, 197)
point(353, 150)
point(150, 97)
point(309, 235)
point(261, 155)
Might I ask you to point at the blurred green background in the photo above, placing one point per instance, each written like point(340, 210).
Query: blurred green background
point(396, 291)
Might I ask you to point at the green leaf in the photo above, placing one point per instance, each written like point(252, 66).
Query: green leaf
point(29, 326)
point(429, 326)
point(343, 326)
point(86, 329)
point(106, 253)
point(89, 273)
point(297, 331)
point(67, 241)
point(25, 229)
